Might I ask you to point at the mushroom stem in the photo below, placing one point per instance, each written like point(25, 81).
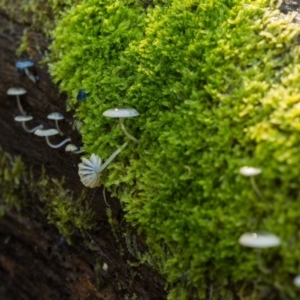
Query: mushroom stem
point(126, 132)
point(108, 161)
point(57, 127)
point(254, 185)
point(30, 75)
point(23, 112)
point(260, 266)
point(80, 150)
point(58, 145)
point(33, 129)
point(104, 196)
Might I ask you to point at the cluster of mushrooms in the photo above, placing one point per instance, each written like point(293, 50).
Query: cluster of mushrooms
point(260, 240)
point(89, 170)
point(24, 68)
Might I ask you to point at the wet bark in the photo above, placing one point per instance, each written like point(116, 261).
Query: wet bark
point(36, 262)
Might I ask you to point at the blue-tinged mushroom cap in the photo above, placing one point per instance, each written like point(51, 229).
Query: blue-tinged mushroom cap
point(82, 95)
point(23, 64)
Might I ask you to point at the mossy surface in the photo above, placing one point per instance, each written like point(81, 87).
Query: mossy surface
point(39, 16)
point(217, 87)
point(19, 188)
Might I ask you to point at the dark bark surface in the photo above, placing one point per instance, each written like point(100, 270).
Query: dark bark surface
point(35, 260)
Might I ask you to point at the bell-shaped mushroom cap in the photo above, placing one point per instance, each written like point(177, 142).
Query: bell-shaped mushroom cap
point(16, 91)
point(55, 116)
point(250, 171)
point(259, 240)
point(23, 64)
point(89, 171)
point(46, 132)
point(71, 148)
point(121, 113)
point(23, 118)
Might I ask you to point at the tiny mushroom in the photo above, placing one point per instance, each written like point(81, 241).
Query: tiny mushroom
point(251, 172)
point(105, 267)
point(297, 281)
point(23, 67)
point(24, 119)
point(82, 95)
point(259, 240)
point(89, 169)
point(74, 149)
point(77, 125)
point(49, 132)
point(56, 116)
point(17, 91)
point(122, 113)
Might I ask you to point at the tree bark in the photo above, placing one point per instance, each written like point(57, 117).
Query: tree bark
point(36, 262)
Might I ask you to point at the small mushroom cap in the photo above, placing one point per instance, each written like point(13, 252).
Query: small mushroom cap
point(121, 113)
point(105, 267)
point(77, 125)
point(89, 171)
point(250, 171)
point(259, 240)
point(82, 95)
point(16, 91)
point(55, 116)
point(46, 132)
point(23, 64)
point(23, 118)
point(297, 281)
point(71, 148)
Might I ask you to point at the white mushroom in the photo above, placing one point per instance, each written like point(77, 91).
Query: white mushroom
point(49, 132)
point(24, 119)
point(56, 116)
point(251, 172)
point(89, 169)
point(23, 67)
point(297, 281)
point(74, 149)
point(122, 113)
point(17, 91)
point(105, 267)
point(77, 125)
point(259, 240)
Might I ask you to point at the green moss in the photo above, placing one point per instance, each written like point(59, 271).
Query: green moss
point(19, 188)
point(11, 180)
point(38, 16)
point(216, 83)
point(62, 210)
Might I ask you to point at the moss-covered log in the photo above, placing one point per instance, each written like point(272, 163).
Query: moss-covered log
point(216, 84)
